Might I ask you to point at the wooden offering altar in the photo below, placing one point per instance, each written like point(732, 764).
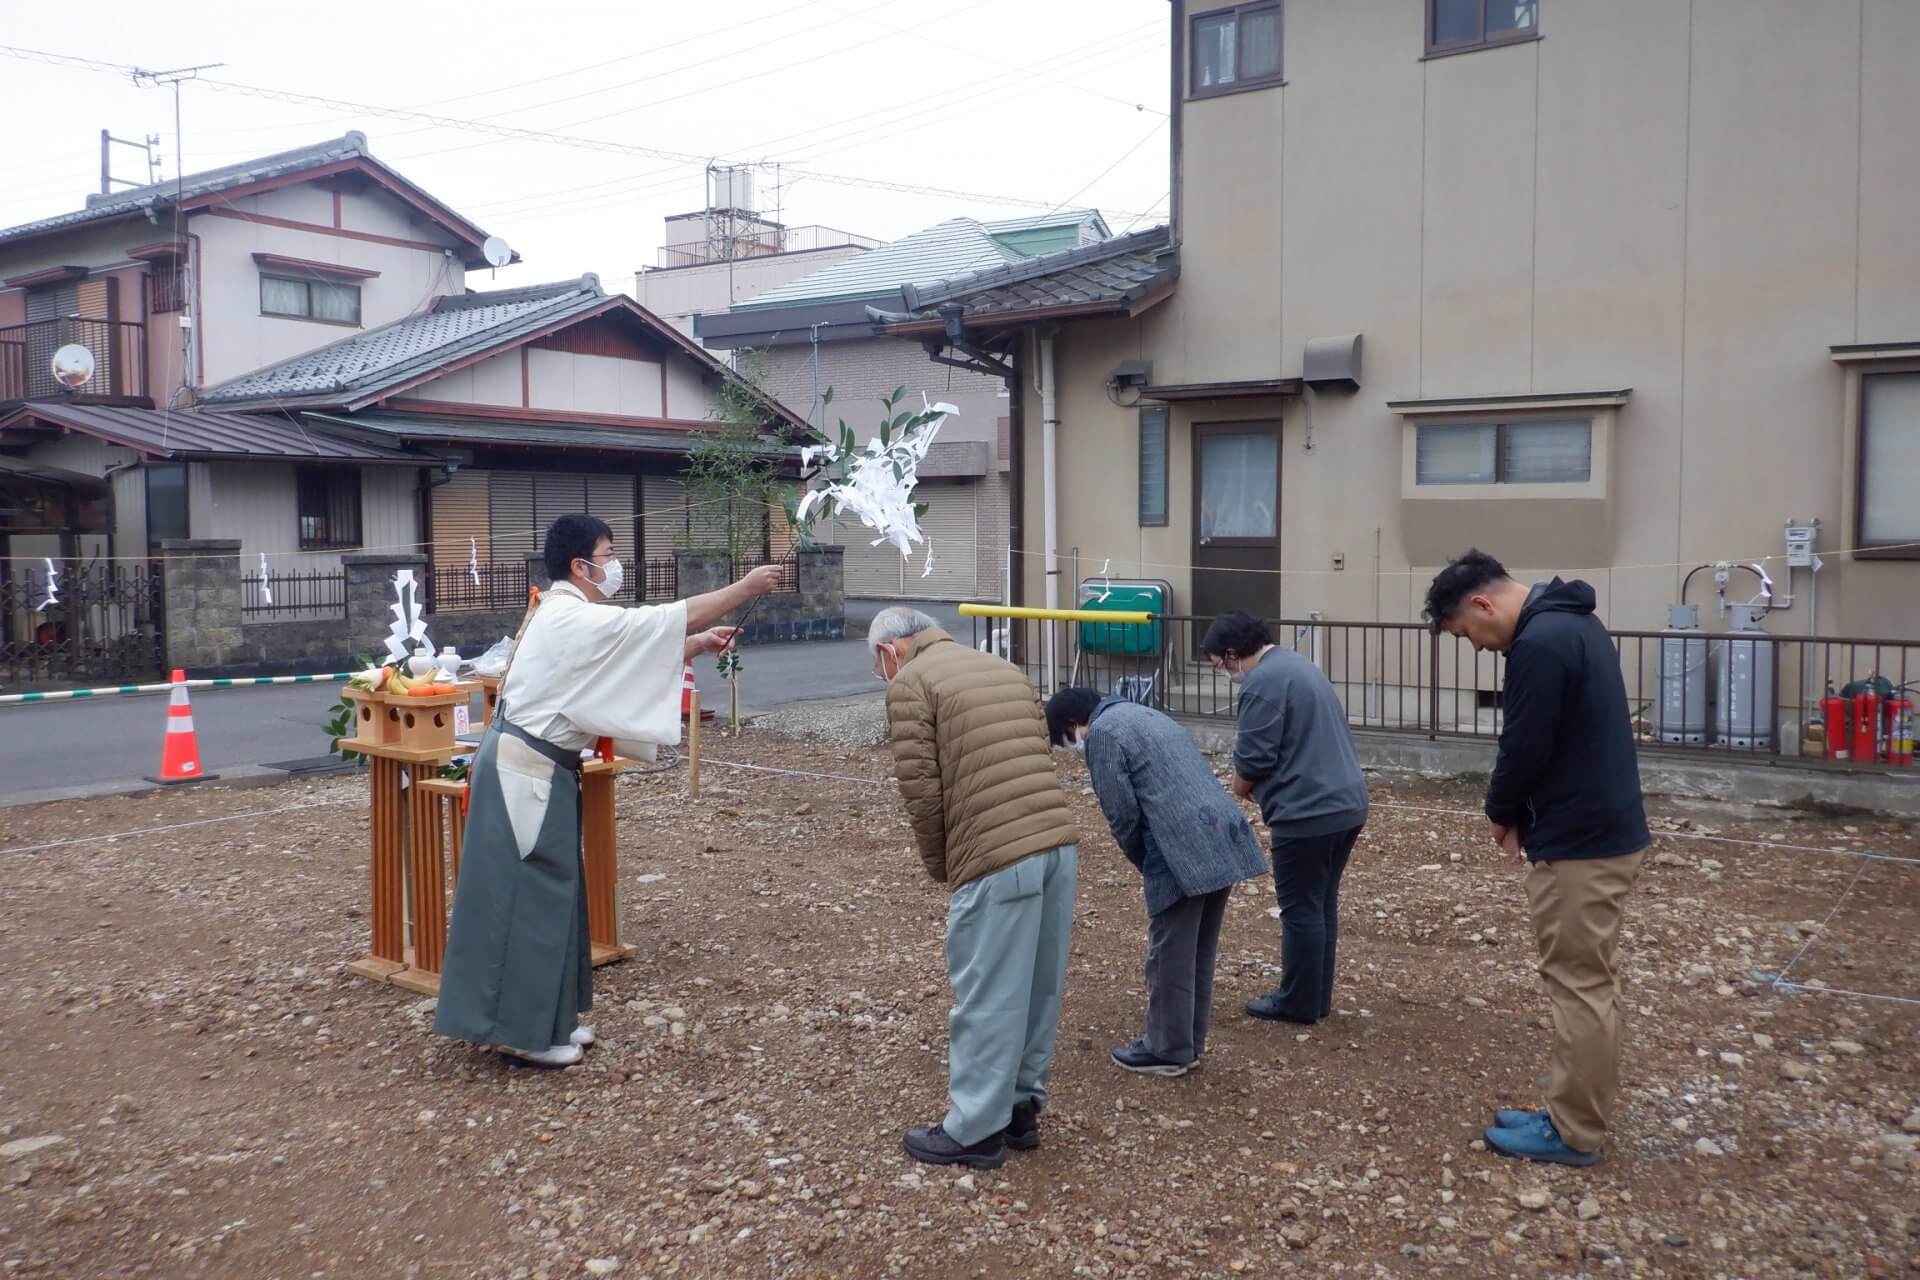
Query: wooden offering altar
point(415, 828)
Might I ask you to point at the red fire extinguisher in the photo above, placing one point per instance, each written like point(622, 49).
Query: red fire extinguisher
point(1900, 731)
point(1833, 715)
point(1866, 727)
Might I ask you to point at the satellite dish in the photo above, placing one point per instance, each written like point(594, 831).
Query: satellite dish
point(496, 251)
point(72, 365)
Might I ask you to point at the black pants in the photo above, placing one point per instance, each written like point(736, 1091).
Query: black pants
point(1306, 880)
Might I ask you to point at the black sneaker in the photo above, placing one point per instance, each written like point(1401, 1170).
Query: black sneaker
point(1269, 1007)
point(933, 1146)
point(1134, 1057)
point(1023, 1130)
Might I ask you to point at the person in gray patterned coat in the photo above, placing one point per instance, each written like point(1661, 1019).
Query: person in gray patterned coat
point(1191, 843)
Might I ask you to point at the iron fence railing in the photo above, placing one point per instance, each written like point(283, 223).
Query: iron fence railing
point(293, 595)
point(467, 588)
point(1744, 692)
point(119, 350)
point(789, 572)
point(101, 621)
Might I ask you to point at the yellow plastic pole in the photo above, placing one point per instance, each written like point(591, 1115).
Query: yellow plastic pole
point(1055, 615)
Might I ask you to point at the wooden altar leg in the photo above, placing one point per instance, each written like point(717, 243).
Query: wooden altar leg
point(602, 868)
point(428, 867)
point(384, 862)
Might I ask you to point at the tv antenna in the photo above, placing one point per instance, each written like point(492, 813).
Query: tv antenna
point(145, 147)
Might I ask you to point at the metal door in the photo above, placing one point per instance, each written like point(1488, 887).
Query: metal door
point(1236, 518)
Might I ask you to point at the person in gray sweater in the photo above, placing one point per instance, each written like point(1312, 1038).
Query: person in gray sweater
point(1191, 843)
point(1294, 754)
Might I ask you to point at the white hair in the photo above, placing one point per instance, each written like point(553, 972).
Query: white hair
point(894, 623)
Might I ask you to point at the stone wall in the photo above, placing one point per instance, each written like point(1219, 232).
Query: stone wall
point(818, 611)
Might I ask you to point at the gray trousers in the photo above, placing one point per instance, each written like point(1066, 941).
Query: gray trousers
point(1007, 939)
point(1182, 943)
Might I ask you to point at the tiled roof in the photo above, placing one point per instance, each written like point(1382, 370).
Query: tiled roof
point(451, 430)
point(195, 186)
point(196, 434)
point(368, 362)
point(1114, 271)
point(954, 247)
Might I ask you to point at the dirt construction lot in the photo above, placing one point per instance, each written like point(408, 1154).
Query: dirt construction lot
point(190, 1085)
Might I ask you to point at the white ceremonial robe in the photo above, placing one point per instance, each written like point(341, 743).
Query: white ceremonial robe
point(585, 671)
point(517, 971)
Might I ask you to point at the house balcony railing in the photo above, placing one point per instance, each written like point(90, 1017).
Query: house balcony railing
point(119, 350)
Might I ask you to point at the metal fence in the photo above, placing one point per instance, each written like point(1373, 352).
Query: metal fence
point(292, 595)
point(467, 588)
point(1744, 692)
point(789, 572)
point(102, 621)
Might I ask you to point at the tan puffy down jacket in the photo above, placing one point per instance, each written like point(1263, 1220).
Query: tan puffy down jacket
point(970, 751)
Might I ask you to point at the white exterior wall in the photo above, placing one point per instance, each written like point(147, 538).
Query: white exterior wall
point(595, 384)
point(678, 294)
point(236, 338)
point(496, 381)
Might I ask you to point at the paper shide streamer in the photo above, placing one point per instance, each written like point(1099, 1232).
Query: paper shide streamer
point(266, 583)
point(53, 587)
point(408, 634)
point(875, 482)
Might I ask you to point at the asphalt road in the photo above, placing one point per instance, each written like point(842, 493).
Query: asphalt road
point(54, 750)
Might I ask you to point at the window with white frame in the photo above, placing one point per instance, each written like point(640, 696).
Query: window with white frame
point(1889, 460)
point(1236, 48)
point(1538, 452)
point(324, 300)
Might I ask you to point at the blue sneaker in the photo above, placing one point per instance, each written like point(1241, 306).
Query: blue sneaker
point(1514, 1119)
point(1537, 1139)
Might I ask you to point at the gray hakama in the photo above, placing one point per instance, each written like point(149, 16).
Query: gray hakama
point(518, 971)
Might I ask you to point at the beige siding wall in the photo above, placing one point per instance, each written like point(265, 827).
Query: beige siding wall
point(258, 503)
point(972, 528)
point(1694, 201)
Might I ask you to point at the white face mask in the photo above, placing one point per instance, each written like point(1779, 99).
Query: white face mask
point(1079, 746)
point(616, 578)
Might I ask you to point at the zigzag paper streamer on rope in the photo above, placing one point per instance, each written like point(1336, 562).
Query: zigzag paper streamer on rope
point(408, 624)
point(53, 587)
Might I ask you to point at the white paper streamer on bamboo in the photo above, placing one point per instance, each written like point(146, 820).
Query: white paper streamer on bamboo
point(408, 624)
point(266, 585)
point(53, 587)
point(879, 483)
point(473, 559)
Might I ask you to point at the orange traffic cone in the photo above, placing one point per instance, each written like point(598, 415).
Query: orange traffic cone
point(687, 686)
point(180, 756)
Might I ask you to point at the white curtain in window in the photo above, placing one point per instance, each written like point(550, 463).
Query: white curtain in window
point(339, 303)
point(1890, 458)
point(1213, 51)
point(1546, 452)
point(1237, 486)
point(1260, 43)
point(1455, 453)
point(283, 297)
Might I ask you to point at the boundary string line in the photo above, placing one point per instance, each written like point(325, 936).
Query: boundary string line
point(179, 826)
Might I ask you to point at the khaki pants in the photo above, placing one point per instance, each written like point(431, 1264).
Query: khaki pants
point(1576, 922)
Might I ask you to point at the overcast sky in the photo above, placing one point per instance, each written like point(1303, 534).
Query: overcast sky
point(1006, 100)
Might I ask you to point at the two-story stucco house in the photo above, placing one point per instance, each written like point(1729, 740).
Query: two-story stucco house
point(1611, 288)
point(287, 353)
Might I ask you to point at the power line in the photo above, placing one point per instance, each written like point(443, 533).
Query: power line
point(531, 135)
point(558, 75)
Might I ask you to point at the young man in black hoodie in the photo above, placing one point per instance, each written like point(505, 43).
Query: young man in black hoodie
point(1565, 797)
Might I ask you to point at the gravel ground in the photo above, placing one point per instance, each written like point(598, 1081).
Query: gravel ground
point(191, 1086)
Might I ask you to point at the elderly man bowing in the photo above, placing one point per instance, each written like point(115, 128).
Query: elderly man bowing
point(977, 777)
point(518, 970)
